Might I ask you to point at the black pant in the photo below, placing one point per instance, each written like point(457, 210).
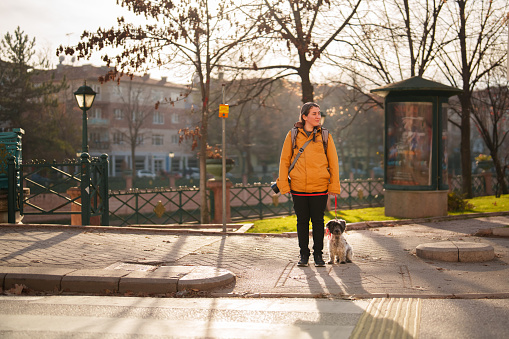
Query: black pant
point(306, 208)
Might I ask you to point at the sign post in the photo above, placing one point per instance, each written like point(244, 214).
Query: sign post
point(223, 113)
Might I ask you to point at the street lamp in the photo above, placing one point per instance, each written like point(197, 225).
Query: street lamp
point(322, 118)
point(85, 98)
point(171, 155)
point(170, 175)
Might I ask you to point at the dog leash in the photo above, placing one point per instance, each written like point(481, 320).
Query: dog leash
point(327, 232)
point(335, 206)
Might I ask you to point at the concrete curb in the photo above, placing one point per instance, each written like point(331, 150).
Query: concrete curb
point(501, 295)
point(456, 251)
point(194, 229)
point(162, 280)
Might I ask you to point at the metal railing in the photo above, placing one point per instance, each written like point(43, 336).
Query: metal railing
point(156, 206)
point(168, 205)
point(40, 180)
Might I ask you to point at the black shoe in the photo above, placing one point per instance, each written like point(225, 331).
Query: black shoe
point(303, 261)
point(319, 261)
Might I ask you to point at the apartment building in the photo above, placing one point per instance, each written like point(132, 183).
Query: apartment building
point(126, 113)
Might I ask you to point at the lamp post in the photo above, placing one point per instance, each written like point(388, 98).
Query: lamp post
point(171, 155)
point(85, 98)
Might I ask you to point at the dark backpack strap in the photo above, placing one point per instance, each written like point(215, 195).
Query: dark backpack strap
point(325, 139)
point(294, 132)
point(298, 155)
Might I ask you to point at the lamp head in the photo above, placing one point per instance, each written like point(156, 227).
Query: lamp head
point(85, 97)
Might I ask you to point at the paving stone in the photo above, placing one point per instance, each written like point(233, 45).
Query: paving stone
point(501, 231)
point(444, 251)
point(163, 280)
point(456, 251)
point(92, 280)
point(205, 278)
point(35, 278)
point(475, 252)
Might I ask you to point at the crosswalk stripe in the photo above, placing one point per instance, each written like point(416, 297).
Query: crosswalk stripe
point(390, 318)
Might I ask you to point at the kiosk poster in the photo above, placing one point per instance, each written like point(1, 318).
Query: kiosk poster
point(409, 137)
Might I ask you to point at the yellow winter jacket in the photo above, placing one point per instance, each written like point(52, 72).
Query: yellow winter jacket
point(314, 171)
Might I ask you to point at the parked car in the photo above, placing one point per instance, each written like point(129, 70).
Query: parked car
point(192, 173)
point(145, 174)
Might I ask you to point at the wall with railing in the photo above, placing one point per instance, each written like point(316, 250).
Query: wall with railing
point(247, 202)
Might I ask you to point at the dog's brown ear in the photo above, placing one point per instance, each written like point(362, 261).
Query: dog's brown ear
point(342, 224)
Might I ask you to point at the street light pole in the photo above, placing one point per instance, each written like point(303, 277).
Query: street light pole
point(223, 124)
point(84, 139)
point(85, 97)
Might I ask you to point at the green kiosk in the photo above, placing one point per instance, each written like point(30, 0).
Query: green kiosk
point(415, 147)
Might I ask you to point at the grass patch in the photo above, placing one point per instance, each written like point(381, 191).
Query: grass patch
point(289, 223)
point(486, 205)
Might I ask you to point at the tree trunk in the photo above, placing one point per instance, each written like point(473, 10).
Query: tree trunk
point(204, 207)
point(306, 86)
point(502, 186)
point(465, 99)
point(133, 163)
point(466, 163)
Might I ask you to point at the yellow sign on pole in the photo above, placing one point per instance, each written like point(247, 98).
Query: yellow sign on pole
point(223, 111)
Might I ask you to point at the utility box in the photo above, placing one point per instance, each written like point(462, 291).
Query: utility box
point(10, 144)
point(415, 147)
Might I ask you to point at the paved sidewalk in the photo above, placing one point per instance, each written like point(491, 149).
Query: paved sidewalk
point(132, 261)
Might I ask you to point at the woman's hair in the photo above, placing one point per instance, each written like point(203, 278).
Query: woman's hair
point(305, 109)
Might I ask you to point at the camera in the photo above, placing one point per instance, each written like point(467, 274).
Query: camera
point(275, 188)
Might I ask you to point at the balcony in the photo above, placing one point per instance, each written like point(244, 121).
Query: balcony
point(98, 122)
point(99, 145)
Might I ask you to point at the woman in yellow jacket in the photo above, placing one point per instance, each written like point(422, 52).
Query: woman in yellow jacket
point(315, 175)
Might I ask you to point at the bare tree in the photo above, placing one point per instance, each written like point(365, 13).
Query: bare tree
point(490, 111)
point(387, 42)
point(394, 40)
point(476, 43)
point(137, 107)
point(198, 35)
point(298, 32)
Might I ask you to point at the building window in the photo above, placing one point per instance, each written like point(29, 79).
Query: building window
point(94, 137)
point(95, 113)
point(174, 118)
point(137, 116)
point(175, 164)
point(158, 118)
point(157, 140)
point(158, 165)
point(139, 139)
point(118, 138)
point(175, 139)
point(97, 89)
point(119, 114)
point(158, 95)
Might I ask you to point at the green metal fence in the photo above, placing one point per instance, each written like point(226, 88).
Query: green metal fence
point(478, 184)
point(156, 206)
point(167, 205)
point(40, 179)
point(256, 201)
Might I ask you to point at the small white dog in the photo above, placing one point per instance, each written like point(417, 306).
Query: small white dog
point(339, 248)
